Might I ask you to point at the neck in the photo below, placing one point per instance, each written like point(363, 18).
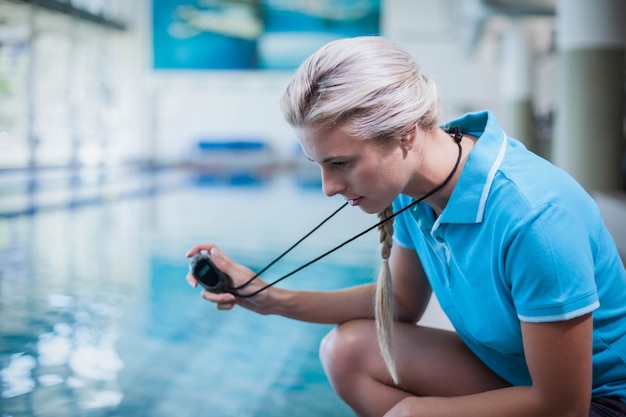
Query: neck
point(439, 161)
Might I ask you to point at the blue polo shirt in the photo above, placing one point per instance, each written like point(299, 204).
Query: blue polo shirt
point(520, 240)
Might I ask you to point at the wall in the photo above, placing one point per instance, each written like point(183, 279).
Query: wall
point(187, 106)
point(81, 95)
point(68, 86)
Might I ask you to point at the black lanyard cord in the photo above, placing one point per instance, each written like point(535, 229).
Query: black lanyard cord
point(288, 250)
point(458, 136)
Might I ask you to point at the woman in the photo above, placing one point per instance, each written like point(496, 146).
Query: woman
point(514, 249)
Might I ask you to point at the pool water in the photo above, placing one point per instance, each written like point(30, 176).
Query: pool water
point(96, 318)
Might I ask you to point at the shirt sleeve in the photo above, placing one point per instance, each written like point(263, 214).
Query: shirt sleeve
point(401, 223)
point(550, 264)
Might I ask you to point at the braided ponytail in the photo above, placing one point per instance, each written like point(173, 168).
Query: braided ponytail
point(385, 309)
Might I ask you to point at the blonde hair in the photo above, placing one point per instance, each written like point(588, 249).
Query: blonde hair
point(374, 89)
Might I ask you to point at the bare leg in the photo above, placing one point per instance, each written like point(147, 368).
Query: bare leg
point(431, 362)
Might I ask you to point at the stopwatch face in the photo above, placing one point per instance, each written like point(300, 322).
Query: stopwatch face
point(205, 273)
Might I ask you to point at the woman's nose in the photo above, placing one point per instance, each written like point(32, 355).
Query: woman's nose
point(331, 185)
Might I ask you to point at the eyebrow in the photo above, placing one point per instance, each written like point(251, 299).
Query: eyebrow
point(330, 158)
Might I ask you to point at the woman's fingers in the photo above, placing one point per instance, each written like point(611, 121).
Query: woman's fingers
point(222, 261)
point(205, 246)
point(224, 301)
point(193, 283)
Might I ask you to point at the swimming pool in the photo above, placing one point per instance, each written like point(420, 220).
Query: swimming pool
point(96, 318)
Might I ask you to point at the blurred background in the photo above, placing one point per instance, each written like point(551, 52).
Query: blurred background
point(154, 83)
point(131, 130)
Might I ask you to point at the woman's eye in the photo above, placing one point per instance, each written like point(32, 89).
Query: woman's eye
point(341, 164)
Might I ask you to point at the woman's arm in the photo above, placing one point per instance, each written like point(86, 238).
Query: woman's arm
point(559, 360)
point(331, 307)
point(410, 284)
point(411, 289)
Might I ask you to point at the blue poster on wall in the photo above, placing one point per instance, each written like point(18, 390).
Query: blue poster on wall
point(253, 34)
point(197, 34)
point(294, 29)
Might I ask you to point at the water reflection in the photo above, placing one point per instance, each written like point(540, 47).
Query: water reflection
point(60, 297)
point(95, 316)
point(17, 376)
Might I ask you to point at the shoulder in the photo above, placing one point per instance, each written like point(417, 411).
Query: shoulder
point(526, 188)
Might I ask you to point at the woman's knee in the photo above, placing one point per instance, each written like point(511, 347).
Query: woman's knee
point(347, 348)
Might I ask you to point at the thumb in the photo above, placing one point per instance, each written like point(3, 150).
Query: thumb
point(238, 273)
point(220, 259)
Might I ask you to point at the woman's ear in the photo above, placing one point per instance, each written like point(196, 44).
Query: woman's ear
point(408, 141)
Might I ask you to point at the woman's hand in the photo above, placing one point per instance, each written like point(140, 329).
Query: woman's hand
point(239, 275)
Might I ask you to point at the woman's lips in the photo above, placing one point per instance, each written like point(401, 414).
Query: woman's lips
point(355, 201)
